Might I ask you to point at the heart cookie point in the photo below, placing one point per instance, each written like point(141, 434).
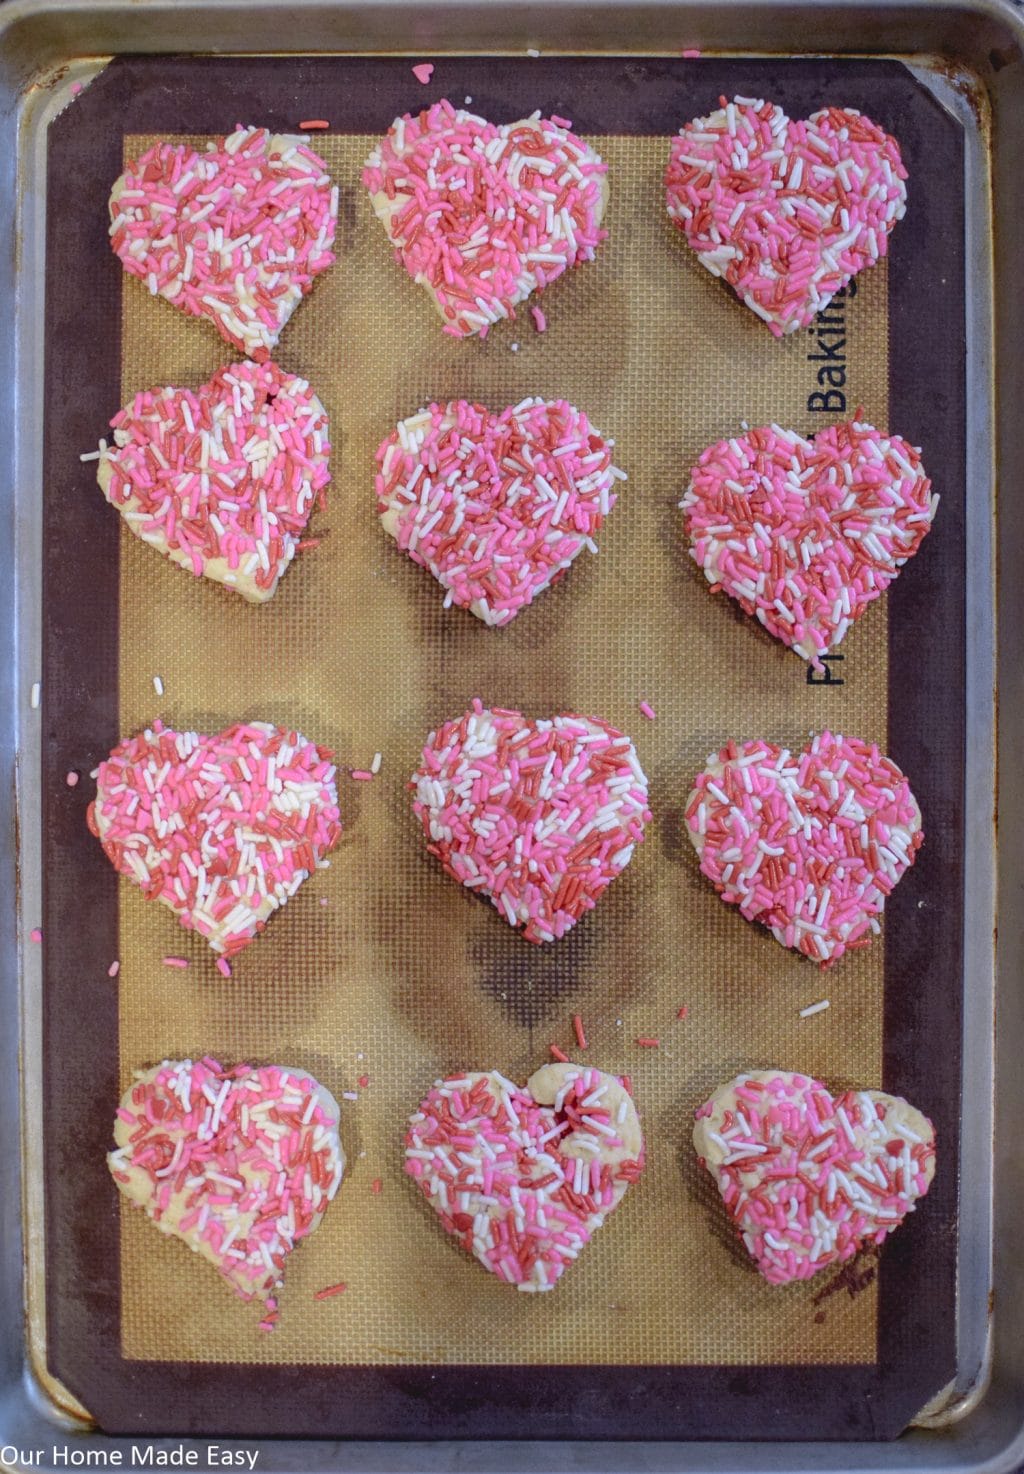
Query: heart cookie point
point(524, 1176)
point(810, 843)
point(467, 205)
point(159, 813)
point(808, 1178)
point(786, 212)
point(195, 1149)
point(496, 506)
point(538, 816)
point(235, 234)
point(223, 480)
point(805, 534)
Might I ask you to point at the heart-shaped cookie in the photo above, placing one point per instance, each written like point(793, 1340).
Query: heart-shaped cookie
point(235, 233)
point(239, 1163)
point(523, 1177)
point(805, 533)
point(787, 213)
point(497, 506)
point(222, 480)
point(808, 1178)
point(482, 214)
point(539, 816)
point(807, 843)
point(222, 829)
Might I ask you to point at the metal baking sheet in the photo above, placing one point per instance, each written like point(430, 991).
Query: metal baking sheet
point(78, 1322)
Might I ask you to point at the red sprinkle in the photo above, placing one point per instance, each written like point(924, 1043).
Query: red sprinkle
point(682, 1012)
point(559, 1054)
point(329, 1290)
point(581, 1038)
point(313, 123)
point(648, 1043)
point(364, 1080)
point(376, 1185)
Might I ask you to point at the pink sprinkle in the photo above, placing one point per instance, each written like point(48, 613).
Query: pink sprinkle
point(539, 319)
point(423, 71)
point(113, 970)
point(364, 1080)
point(329, 1290)
point(691, 53)
point(35, 935)
point(72, 779)
point(76, 88)
point(559, 1054)
point(224, 967)
point(323, 900)
point(581, 1038)
point(648, 710)
point(376, 1185)
point(362, 775)
point(175, 962)
point(682, 1012)
point(648, 1043)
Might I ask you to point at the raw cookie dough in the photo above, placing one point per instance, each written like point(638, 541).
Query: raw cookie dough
point(539, 816)
point(497, 506)
point(234, 233)
point(239, 1163)
point(222, 829)
point(523, 1176)
point(809, 1179)
point(481, 214)
point(222, 480)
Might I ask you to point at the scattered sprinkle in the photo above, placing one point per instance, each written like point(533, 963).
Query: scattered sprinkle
point(627, 1084)
point(683, 1012)
point(76, 88)
point(423, 71)
point(35, 935)
point(71, 779)
point(813, 1008)
point(468, 100)
point(224, 967)
point(376, 1185)
point(34, 695)
point(176, 962)
point(313, 124)
point(754, 192)
point(90, 455)
point(540, 321)
point(329, 1290)
point(323, 900)
point(691, 53)
point(559, 1054)
point(364, 1080)
point(113, 970)
point(648, 1043)
point(235, 233)
point(514, 347)
point(532, 51)
point(362, 775)
point(577, 1024)
point(375, 765)
point(648, 710)
point(158, 685)
point(350, 1095)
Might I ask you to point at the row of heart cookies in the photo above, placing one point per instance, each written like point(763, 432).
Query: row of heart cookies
point(242, 1164)
point(537, 815)
point(804, 534)
point(485, 215)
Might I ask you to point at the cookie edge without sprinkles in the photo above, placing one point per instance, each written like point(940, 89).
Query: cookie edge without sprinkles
point(386, 208)
point(780, 322)
point(401, 505)
point(619, 1147)
point(713, 771)
point(224, 944)
point(219, 569)
point(713, 474)
point(136, 1183)
point(427, 789)
point(715, 1124)
point(250, 335)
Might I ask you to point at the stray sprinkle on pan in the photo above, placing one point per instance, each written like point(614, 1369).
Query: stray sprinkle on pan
point(648, 710)
point(540, 321)
point(158, 685)
point(176, 962)
point(809, 843)
point(375, 765)
point(224, 967)
point(813, 1008)
point(376, 1185)
point(329, 1291)
point(313, 125)
point(785, 212)
point(34, 695)
point(113, 970)
point(235, 234)
point(35, 935)
point(71, 779)
point(350, 1095)
point(647, 1043)
point(362, 775)
point(423, 71)
point(577, 1024)
point(559, 1054)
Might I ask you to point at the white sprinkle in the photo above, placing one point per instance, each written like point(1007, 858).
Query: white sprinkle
point(34, 695)
point(814, 1008)
point(375, 768)
point(158, 685)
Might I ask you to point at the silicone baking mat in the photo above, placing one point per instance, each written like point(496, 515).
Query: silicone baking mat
point(381, 967)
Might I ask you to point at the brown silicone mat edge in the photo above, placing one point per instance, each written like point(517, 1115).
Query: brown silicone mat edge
point(923, 976)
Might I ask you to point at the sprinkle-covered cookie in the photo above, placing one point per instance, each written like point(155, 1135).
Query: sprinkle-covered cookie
point(482, 214)
point(786, 212)
point(539, 816)
point(235, 233)
point(808, 843)
point(239, 1163)
point(497, 506)
point(808, 1178)
point(222, 829)
point(804, 534)
point(222, 480)
point(524, 1176)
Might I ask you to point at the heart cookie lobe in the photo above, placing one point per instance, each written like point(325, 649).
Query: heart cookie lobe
point(222, 829)
point(808, 1178)
point(235, 233)
point(483, 214)
point(497, 506)
point(804, 534)
point(524, 1176)
point(539, 815)
point(222, 481)
point(786, 212)
point(807, 843)
point(240, 1163)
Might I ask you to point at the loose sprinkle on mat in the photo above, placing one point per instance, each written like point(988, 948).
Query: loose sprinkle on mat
point(376, 1185)
point(540, 321)
point(364, 1080)
point(329, 1290)
point(362, 775)
point(577, 1024)
point(682, 1012)
point(176, 962)
point(559, 1054)
point(113, 970)
point(648, 1043)
point(813, 1008)
point(34, 695)
point(158, 685)
point(224, 967)
point(350, 1095)
point(532, 51)
point(378, 758)
point(35, 935)
point(71, 779)
point(648, 710)
point(423, 71)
